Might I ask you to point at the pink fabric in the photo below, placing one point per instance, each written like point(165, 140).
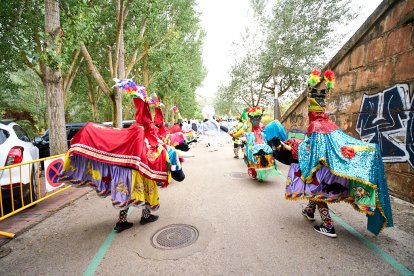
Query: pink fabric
point(123, 147)
point(320, 123)
point(176, 138)
point(258, 134)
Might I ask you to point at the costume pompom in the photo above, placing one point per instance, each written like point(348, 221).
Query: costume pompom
point(254, 111)
point(314, 77)
point(329, 79)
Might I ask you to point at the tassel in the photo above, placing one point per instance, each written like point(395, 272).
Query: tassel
point(263, 161)
point(314, 78)
point(329, 79)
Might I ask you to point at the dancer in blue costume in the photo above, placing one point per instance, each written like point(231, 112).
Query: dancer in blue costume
point(334, 167)
point(258, 155)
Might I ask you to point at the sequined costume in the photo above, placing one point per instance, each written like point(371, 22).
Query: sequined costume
point(125, 163)
point(258, 155)
point(122, 163)
point(334, 167)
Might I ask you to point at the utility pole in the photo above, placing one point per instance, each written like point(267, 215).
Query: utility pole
point(276, 100)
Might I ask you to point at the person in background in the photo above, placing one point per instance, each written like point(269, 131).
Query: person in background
point(236, 133)
point(211, 128)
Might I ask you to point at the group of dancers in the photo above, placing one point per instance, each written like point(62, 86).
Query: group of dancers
point(328, 166)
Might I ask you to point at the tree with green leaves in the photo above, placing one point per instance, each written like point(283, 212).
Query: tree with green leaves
point(31, 35)
point(174, 69)
point(299, 35)
point(155, 43)
point(296, 36)
point(30, 91)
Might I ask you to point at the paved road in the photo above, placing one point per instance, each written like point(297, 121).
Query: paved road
point(244, 227)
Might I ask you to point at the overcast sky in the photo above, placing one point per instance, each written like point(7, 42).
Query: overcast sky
point(224, 21)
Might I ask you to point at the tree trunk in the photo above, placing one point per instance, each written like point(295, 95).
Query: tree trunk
point(117, 104)
point(120, 64)
point(145, 72)
point(52, 80)
point(93, 98)
point(113, 102)
point(276, 114)
point(95, 111)
point(93, 71)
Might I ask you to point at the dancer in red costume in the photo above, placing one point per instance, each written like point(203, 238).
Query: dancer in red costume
point(125, 163)
point(173, 154)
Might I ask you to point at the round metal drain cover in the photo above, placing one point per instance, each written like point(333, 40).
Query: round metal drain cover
point(239, 175)
point(174, 236)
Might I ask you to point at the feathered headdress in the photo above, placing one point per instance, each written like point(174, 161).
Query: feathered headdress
point(175, 109)
point(329, 77)
point(155, 101)
point(314, 78)
point(132, 89)
point(140, 99)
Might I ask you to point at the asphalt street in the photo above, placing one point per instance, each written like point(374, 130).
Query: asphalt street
point(244, 228)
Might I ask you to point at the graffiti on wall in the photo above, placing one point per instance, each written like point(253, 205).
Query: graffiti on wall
point(296, 118)
point(387, 119)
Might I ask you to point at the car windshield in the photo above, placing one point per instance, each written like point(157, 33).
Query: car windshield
point(4, 134)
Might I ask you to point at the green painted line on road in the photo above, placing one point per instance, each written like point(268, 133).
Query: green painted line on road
point(97, 259)
point(387, 257)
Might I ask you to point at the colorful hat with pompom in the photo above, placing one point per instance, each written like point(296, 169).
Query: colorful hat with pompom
point(256, 111)
point(314, 78)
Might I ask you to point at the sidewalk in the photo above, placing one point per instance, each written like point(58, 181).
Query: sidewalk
point(28, 218)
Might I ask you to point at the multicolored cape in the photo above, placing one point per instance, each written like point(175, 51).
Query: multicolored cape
point(335, 167)
point(258, 155)
point(123, 163)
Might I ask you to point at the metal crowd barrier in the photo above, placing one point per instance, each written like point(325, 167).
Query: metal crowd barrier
point(15, 192)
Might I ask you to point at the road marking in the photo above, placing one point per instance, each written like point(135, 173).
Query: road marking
point(387, 257)
point(97, 259)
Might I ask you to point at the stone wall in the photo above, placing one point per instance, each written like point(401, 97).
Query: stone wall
point(373, 98)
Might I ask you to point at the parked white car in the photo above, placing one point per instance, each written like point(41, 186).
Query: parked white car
point(16, 148)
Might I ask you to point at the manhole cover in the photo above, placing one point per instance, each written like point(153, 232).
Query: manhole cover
point(239, 175)
point(174, 236)
point(4, 252)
